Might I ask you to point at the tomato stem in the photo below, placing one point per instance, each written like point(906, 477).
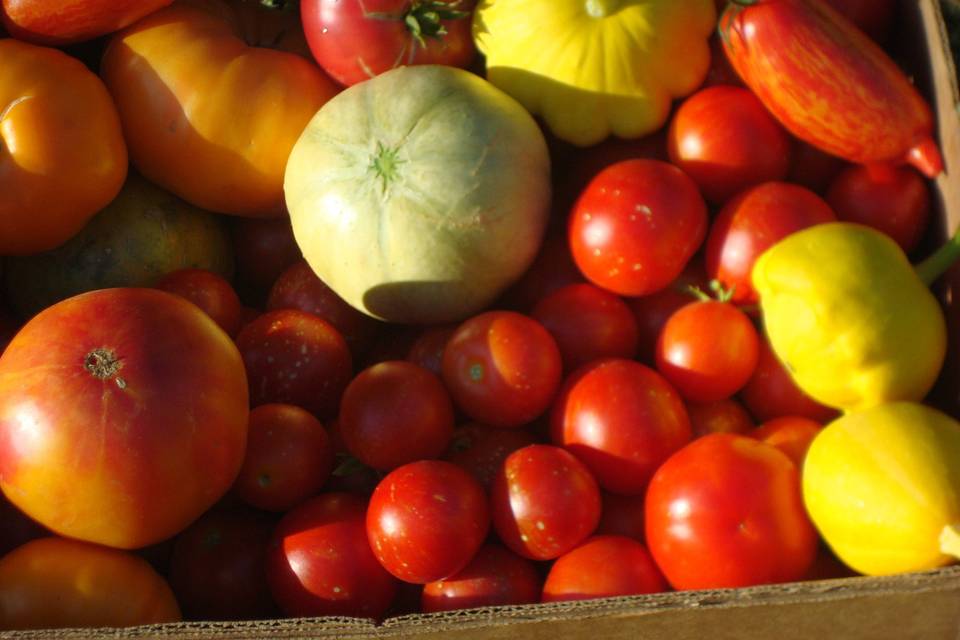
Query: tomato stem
point(425, 18)
point(950, 540)
point(937, 263)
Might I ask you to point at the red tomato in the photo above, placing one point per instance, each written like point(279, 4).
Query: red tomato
point(622, 420)
point(636, 226)
point(708, 350)
point(790, 434)
point(494, 577)
point(393, 413)
point(622, 516)
point(289, 458)
point(426, 520)
point(354, 40)
point(720, 416)
point(601, 567)
point(544, 502)
point(427, 349)
point(727, 511)
point(725, 140)
point(894, 200)
point(264, 249)
point(319, 562)
point(218, 571)
point(502, 368)
point(480, 450)
point(294, 357)
point(209, 291)
point(751, 223)
point(588, 323)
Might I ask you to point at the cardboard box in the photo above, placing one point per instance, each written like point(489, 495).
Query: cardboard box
point(920, 605)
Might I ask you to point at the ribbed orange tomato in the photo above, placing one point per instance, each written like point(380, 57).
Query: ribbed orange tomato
point(56, 22)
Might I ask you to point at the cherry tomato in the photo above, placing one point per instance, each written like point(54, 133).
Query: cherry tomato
point(720, 416)
point(294, 357)
point(790, 434)
point(727, 511)
point(502, 368)
point(319, 562)
point(289, 458)
point(622, 516)
point(621, 419)
point(544, 502)
point(603, 566)
point(636, 225)
point(426, 520)
point(209, 291)
point(708, 350)
point(480, 450)
point(427, 349)
point(494, 577)
point(264, 249)
point(393, 413)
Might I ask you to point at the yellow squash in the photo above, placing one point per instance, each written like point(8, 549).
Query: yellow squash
point(590, 68)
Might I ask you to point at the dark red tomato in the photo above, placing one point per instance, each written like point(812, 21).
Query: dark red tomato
point(813, 168)
point(426, 520)
point(319, 562)
point(651, 311)
point(294, 357)
point(552, 269)
point(636, 225)
point(427, 349)
point(720, 416)
point(603, 566)
point(298, 287)
point(502, 368)
point(708, 350)
point(494, 577)
point(544, 502)
point(622, 516)
point(264, 248)
point(893, 200)
point(289, 458)
point(218, 569)
point(393, 413)
point(209, 291)
point(721, 72)
point(354, 40)
point(751, 223)
point(790, 434)
point(480, 450)
point(392, 342)
point(874, 17)
point(727, 511)
point(622, 420)
point(725, 139)
point(771, 392)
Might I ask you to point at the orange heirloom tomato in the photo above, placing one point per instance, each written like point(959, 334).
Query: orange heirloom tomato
point(55, 582)
point(62, 154)
point(208, 114)
point(56, 22)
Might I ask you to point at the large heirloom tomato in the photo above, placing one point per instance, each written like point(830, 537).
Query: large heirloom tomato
point(207, 113)
point(62, 155)
point(123, 416)
point(57, 22)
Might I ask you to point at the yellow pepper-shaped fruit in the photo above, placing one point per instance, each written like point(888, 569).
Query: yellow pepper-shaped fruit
point(883, 488)
point(590, 68)
point(849, 317)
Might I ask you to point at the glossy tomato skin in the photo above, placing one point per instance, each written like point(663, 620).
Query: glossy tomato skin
point(502, 368)
point(726, 140)
point(636, 225)
point(790, 434)
point(354, 40)
point(721, 416)
point(393, 413)
point(727, 511)
point(136, 409)
point(480, 450)
point(495, 576)
point(55, 23)
point(56, 582)
point(751, 223)
point(544, 502)
point(426, 520)
point(771, 392)
point(209, 291)
point(603, 566)
point(319, 562)
point(621, 419)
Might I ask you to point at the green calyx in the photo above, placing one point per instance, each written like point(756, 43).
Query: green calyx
point(425, 18)
point(385, 164)
point(718, 292)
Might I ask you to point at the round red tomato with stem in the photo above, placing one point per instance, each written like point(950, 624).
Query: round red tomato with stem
point(725, 139)
point(495, 576)
point(354, 40)
point(721, 416)
point(480, 449)
point(636, 225)
point(603, 566)
point(544, 502)
point(790, 434)
point(426, 520)
point(394, 413)
point(727, 511)
point(209, 291)
point(502, 368)
point(621, 419)
point(319, 562)
point(751, 223)
point(289, 458)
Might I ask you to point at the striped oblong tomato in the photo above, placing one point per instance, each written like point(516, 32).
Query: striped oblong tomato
point(58, 22)
point(62, 154)
point(209, 111)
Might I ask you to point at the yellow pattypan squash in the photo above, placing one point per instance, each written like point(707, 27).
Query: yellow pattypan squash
point(590, 68)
